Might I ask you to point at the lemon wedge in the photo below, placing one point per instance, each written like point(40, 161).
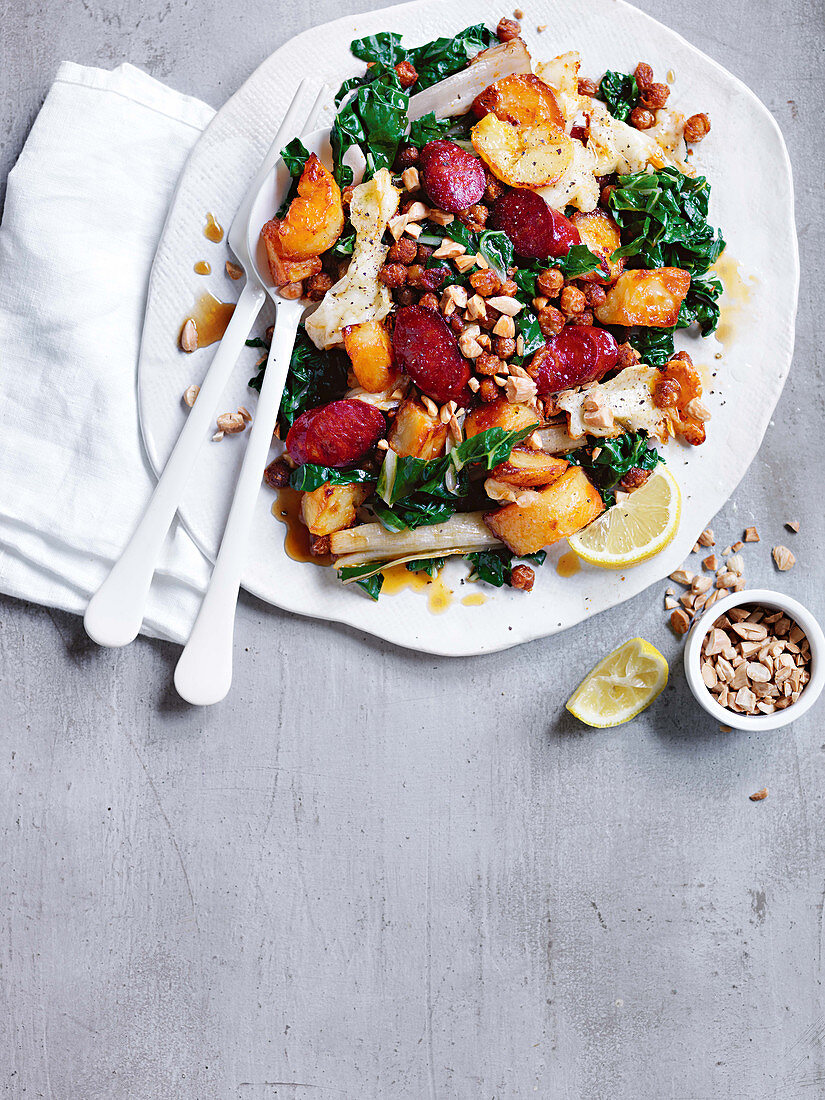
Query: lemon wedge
point(633, 531)
point(620, 686)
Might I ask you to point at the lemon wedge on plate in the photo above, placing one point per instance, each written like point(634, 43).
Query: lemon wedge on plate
point(633, 531)
point(620, 686)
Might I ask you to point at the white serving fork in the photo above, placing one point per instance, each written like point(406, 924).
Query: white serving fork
point(115, 612)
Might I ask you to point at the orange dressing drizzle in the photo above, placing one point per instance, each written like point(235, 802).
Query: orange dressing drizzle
point(202, 267)
point(735, 299)
point(568, 564)
point(287, 510)
point(211, 318)
point(213, 231)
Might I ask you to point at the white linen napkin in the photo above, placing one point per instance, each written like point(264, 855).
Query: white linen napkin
point(85, 207)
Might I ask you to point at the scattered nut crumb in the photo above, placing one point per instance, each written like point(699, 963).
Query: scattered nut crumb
point(245, 413)
point(680, 621)
point(751, 534)
point(670, 603)
point(217, 437)
point(518, 14)
point(783, 557)
point(737, 546)
point(710, 563)
point(189, 336)
point(793, 525)
point(726, 729)
point(682, 576)
point(231, 423)
point(234, 271)
point(190, 395)
point(758, 796)
point(706, 538)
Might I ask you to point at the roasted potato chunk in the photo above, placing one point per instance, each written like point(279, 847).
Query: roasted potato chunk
point(552, 513)
point(332, 507)
point(529, 468)
point(312, 224)
point(521, 99)
point(602, 236)
point(415, 433)
point(648, 298)
point(370, 348)
point(499, 414)
point(523, 156)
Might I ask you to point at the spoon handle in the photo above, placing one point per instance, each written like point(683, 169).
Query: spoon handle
point(204, 671)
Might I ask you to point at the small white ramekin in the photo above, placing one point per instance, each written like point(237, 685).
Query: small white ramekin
point(777, 602)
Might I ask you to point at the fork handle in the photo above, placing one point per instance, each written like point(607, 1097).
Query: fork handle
point(115, 612)
point(204, 671)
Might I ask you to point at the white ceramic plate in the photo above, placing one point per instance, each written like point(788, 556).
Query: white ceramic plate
point(752, 201)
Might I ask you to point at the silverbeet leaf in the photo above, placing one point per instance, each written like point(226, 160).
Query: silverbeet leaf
point(311, 476)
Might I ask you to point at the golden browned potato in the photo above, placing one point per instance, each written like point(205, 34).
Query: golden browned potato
point(601, 235)
point(370, 348)
point(332, 507)
point(535, 155)
point(312, 224)
point(648, 298)
point(521, 99)
point(415, 433)
point(553, 513)
point(529, 468)
point(499, 414)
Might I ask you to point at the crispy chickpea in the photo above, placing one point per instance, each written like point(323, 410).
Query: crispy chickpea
point(507, 30)
point(319, 546)
point(641, 118)
point(415, 273)
point(509, 288)
point(684, 356)
point(655, 96)
point(456, 323)
point(572, 300)
point(488, 391)
point(550, 282)
point(423, 253)
point(551, 321)
point(604, 197)
point(594, 295)
point(393, 275)
point(588, 87)
point(406, 157)
point(504, 346)
point(428, 300)
point(583, 318)
point(697, 127)
point(277, 473)
point(488, 364)
point(407, 75)
point(316, 286)
point(666, 393)
point(523, 577)
point(634, 479)
point(474, 217)
point(403, 251)
point(494, 189)
point(627, 356)
point(486, 283)
point(644, 75)
point(406, 296)
point(346, 196)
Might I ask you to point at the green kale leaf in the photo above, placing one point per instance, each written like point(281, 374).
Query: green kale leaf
point(620, 92)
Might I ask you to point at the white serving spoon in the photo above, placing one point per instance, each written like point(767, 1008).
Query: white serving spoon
point(115, 612)
point(204, 671)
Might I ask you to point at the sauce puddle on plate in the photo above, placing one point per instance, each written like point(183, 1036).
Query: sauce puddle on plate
point(475, 599)
point(568, 564)
point(287, 510)
point(210, 318)
point(213, 231)
point(735, 299)
point(202, 267)
point(398, 577)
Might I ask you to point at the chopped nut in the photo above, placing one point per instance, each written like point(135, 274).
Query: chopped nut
point(751, 534)
point(725, 579)
point(234, 271)
point(190, 395)
point(687, 600)
point(505, 326)
point(231, 423)
point(217, 437)
point(682, 576)
point(476, 307)
point(758, 671)
point(429, 405)
point(758, 796)
point(245, 413)
point(709, 675)
point(189, 336)
point(680, 621)
point(736, 564)
point(746, 699)
point(783, 557)
point(707, 538)
point(469, 345)
point(410, 179)
point(670, 603)
point(737, 546)
point(441, 217)
point(506, 305)
point(474, 384)
point(519, 390)
point(710, 563)
point(696, 410)
point(793, 525)
point(700, 584)
point(449, 250)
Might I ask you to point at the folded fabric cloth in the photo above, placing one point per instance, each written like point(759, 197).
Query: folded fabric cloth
point(85, 207)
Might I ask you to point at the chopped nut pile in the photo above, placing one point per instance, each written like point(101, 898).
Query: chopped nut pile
point(755, 660)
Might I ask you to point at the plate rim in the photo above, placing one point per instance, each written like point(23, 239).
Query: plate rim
point(385, 629)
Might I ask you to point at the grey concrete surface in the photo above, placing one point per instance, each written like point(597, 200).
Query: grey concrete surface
point(371, 874)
